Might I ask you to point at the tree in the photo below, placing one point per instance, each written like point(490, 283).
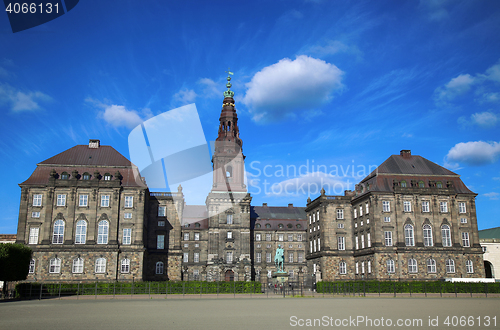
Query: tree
point(14, 263)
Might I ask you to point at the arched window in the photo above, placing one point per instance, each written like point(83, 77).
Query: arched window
point(268, 225)
point(446, 235)
point(32, 266)
point(469, 267)
point(55, 265)
point(342, 267)
point(431, 265)
point(125, 267)
point(450, 265)
point(409, 240)
point(64, 176)
point(257, 225)
point(298, 226)
point(77, 266)
point(86, 176)
point(197, 225)
point(439, 184)
point(100, 265)
point(428, 235)
point(159, 267)
point(229, 171)
point(390, 266)
point(58, 234)
point(421, 184)
point(81, 232)
point(280, 226)
point(412, 265)
point(102, 232)
point(289, 226)
point(403, 184)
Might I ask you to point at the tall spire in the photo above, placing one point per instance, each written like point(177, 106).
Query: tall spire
point(229, 92)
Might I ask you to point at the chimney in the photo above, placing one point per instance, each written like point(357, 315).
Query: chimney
point(264, 204)
point(94, 144)
point(290, 205)
point(405, 153)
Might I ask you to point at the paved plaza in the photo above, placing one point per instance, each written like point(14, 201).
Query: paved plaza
point(251, 313)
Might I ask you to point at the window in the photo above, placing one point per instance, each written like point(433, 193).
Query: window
point(107, 177)
point(465, 239)
point(428, 235)
point(33, 239)
point(368, 240)
point(257, 237)
point(125, 266)
point(186, 236)
point(77, 266)
point(229, 257)
point(290, 238)
point(387, 219)
point(300, 257)
point(31, 269)
point(357, 268)
point(340, 214)
point(64, 176)
point(161, 211)
point(129, 201)
point(314, 244)
point(37, 200)
point(229, 235)
point(310, 246)
point(342, 268)
point(484, 249)
point(431, 265)
point(299, 237)
point(412, 266)
point(367, 221)
point(127, 236)
point(290, 257)
point(268, 237)
point(443, 207)
point(229, 219)
point(446, 235)
point(425, 206)
point(360, 210)
point(197, 236)
point(86, 176)
point(185, 257)
point(61, 200)
point(159, 268)
point(258, 257)
point(58, 234)
point(83, 200)
point(340, 225)
point(403, 184)
point(357, 243)
point(469, 267)
point(319, 244)
point(105, 201)
point(160, 242)
point(280, 237)
point(461, 207)
point(196, 274)
point(388, 238)
point(421, 184)
point(317, 215)
point(161, 223)
point(450, 266)
point(439, 184)
point(314, 217)
point(362, 267)
point(102, 232)
point(407, 206)
point(100, 266)
point(268, 225)
point(268, 246)
point(268, 257)
point(361, 223)
point(409, 239)
point(127, 215)
point(35, 214)
point(81, 232)
point(386, 206)
point(367, 208)
point(463, 220)
point(369, 267)
point(55, 266)
point(355, 213)
point(310, 219)
point(196, 257)
point(362, 241)
point(298, 226)
point(390, 266)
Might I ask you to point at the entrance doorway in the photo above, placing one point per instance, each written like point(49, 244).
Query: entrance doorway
point(488, 269)
point(229, 276)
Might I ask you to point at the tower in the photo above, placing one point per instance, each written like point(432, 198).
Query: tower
point(228, 203)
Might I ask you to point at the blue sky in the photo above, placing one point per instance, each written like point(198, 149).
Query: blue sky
point(331, 83)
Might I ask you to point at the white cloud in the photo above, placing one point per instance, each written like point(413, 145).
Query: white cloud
point(435, 9)
point(287, 87)
point(485, 119)
point(184, 96)
point(210, 88)
point(492, 196)
point(333, 47)
point(21, 101)
point(118, 115)
point(455, 87)
point(493, 73)
point(474, 153)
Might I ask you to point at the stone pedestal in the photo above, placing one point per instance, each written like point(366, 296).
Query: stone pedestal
point(280, 277)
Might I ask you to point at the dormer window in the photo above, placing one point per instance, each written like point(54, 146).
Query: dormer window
point(280, 226)
point(420, 184)
point(403, 184)
point(107, 177)
point(439, 184)
point(86, 176)
point(64, 176)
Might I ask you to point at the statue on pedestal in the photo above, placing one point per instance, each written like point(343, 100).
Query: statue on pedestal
point(279, 259)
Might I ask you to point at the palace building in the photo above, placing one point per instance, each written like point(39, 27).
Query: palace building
point(88, 215)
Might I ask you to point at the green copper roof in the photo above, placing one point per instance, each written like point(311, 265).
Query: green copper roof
point(489, 233)
point(229, 92)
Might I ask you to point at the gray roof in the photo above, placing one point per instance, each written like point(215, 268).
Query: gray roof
point(397, 164)
point(490, 233)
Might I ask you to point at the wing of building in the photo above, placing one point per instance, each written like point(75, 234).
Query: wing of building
point(88, 215)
